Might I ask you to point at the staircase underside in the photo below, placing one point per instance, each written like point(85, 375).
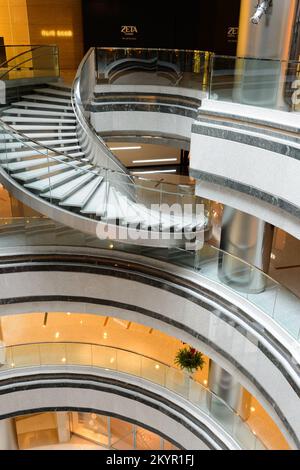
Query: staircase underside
point(54, 176)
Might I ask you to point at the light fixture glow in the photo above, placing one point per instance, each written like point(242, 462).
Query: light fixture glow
point(112, 360)
point(105, 335)
point(156, 160)
point(57, 335)
point(252, 409)
point(12, 364)
point(205, 382)
point(81, 322)
point(137, 147)
point(111, 246)
point(273, 256)
point(68, 313)
point(157, 367)
point(63, 359)
point(152, 172)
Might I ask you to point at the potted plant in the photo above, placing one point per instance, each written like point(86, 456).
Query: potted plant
point(189, 359)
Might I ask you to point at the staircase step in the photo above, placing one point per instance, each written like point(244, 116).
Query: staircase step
point(62, 129)
point(38, 121)
point(97, 203)
point(52, 91)
point(32, 112)
point(43, 106)
point(45, 172)
point(42, 185)
point(82, 196)
point(16, 166)
point(75, 183)
point(47, 99)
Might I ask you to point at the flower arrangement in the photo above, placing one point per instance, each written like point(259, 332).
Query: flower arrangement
point(190, 359)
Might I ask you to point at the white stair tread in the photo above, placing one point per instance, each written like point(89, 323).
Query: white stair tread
point(30, 163)
point(33, 112)
point(43, 184)
point(37, 120)
point(52, 127)
point(52, 91)
point(40, 172)
point(51, 99)
point(113, 209)
point(78, 178)
point(97, 203)
point(81, 196)
point(40, 136)
point(32, 104)
point(24, 154)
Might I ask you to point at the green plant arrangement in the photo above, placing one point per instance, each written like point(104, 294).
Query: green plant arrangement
point(189, 359)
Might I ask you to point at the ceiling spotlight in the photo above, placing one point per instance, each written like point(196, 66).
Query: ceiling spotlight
point(261, 9)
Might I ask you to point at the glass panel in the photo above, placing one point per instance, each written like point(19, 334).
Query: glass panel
point(147, 440)
point(178, 382)
point(25, 355)
point(129, 363)
point(104, 357)
point(80, 354)
point(153, 370)
point(53, 354)
point(122, 434)
point(221, 413)
point(199, 396)
point(257, 82)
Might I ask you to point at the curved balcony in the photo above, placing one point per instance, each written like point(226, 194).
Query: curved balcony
point(40, 358)
point(199, 308)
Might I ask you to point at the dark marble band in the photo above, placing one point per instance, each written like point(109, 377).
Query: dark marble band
point(257, 141)
point(116, 387)
point(144, 107)
point(247, 189)
point(171, 283)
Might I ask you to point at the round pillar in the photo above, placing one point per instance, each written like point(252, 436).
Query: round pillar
point(8, 435)
point(248, 239)
point(262, 82)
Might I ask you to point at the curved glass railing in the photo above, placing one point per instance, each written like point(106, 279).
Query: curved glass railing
point(28, 61)
point(247, 282)
point(268, 83)
point(116, 359)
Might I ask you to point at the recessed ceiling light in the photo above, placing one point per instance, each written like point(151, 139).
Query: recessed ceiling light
point(156, 160)
point(68, 313)
point(152, 172)
point(134, 147)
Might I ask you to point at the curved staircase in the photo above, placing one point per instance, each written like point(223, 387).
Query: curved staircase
point(40, 153)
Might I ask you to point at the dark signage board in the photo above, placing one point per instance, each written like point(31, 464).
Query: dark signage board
point(195, 24)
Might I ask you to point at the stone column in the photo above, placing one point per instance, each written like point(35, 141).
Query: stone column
point(248, 239)
point(8, 435)
point(264, 82)
point(224, 386)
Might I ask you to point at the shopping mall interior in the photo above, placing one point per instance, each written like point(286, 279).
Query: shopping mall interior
point(149, 225)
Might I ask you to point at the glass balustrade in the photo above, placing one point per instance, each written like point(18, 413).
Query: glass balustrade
point(268, 83)
point(109, 358)
point(28, 61)
point(275, 300)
